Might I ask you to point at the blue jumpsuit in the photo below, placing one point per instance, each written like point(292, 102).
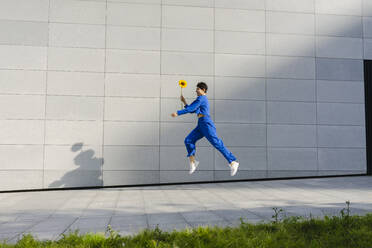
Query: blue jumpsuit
point(205, 128)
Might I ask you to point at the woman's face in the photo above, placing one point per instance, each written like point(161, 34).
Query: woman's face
point(199, 91)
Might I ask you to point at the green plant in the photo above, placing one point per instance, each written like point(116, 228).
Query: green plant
point(277, 218)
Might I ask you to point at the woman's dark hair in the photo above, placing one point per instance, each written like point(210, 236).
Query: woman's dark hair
point(202, 86)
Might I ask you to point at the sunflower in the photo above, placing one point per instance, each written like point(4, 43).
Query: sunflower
point(182, 83)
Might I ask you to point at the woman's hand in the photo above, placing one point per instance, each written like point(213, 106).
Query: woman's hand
point(174, 114)
point(183, 100)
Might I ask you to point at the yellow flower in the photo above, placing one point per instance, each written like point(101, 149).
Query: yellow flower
point(182, 83)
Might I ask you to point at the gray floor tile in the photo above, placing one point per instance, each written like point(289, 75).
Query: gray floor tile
point(169, 227)
point(197, 216)
point(131, 229)
point(84, 223)
point(139, 219)
point(164, 218)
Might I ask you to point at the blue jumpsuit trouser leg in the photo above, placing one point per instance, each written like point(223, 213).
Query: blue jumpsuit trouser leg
point(206, 128)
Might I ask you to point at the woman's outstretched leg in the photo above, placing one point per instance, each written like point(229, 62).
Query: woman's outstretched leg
point(209, 131)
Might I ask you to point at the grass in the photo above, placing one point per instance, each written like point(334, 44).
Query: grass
point(338, 231)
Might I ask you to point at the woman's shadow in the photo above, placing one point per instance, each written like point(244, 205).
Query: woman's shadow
point(88, 173)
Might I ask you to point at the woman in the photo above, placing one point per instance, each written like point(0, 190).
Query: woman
point(205, 128)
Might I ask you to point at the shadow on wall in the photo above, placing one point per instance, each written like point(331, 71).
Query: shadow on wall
point(89, 169)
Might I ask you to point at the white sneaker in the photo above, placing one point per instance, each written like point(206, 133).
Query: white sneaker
point(193, 166)
point(234, 167)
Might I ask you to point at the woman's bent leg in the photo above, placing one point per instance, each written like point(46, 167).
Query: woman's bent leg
point(191, 139)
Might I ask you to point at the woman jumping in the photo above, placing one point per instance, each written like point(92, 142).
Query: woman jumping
point(205, 128)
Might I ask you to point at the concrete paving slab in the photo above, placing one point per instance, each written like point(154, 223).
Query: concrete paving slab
point(93, 223)
point(200, 216)
point(169, 227)
point(135, 219)
point(131, 229)
point(165, 218)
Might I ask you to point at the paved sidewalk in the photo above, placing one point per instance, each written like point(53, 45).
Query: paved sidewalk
point(48, 214)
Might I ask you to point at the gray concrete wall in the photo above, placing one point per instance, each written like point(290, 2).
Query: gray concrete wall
point(87, 88)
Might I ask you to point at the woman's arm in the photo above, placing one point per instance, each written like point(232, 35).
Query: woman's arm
point(183, 100)
point(190, 108)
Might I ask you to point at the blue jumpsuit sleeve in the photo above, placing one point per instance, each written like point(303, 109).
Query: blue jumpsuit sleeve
point(190, 108)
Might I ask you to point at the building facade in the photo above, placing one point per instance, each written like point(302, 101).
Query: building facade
point(87, 88)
